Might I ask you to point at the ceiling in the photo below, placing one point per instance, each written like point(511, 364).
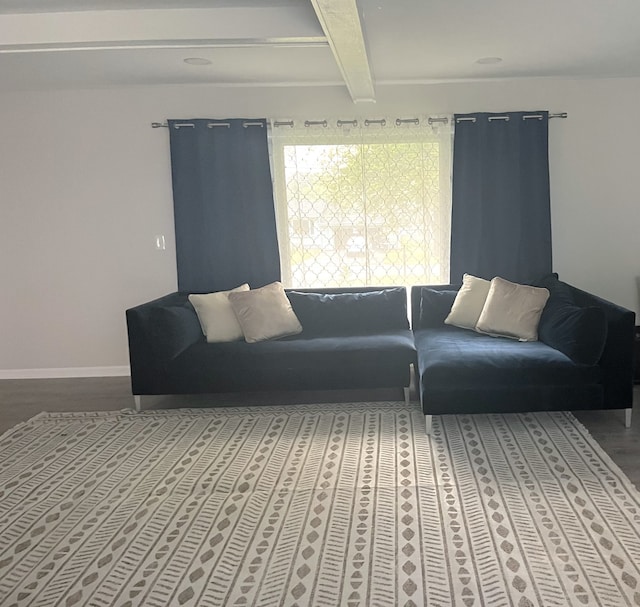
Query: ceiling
point(359, 44)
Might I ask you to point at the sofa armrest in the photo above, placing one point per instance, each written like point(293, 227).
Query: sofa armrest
point(159, 331)
point(618, 354)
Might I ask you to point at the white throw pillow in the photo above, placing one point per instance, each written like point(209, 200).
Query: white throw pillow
point(216, 316)
point(469, 301)
point(512, 310)
point(265, 313)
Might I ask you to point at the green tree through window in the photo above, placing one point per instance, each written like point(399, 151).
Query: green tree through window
point(378, 202)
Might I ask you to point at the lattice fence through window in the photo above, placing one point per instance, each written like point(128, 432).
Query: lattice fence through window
point(363, 205)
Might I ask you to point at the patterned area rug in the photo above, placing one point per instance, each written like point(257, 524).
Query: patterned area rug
point(323, 505)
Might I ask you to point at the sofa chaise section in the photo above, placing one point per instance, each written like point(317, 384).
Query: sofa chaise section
point(462, 371)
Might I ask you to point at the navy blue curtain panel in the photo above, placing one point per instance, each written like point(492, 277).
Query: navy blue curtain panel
point(500, 216)
point(223, 204)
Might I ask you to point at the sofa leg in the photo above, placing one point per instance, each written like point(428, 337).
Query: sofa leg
point(137, 399)
point(428, 422)
point(407, 390)
point(627, 417)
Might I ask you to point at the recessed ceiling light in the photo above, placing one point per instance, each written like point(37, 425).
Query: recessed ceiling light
point(489, 60)
point(197, 61)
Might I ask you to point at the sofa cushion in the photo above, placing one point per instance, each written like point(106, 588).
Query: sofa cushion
point(380, 360)
point(323, 314)
point(435, 306)
point(264, 313)
point(578, 332)
point(216, 316)
point(469, 302)
point(458, 359)
point(512, 310)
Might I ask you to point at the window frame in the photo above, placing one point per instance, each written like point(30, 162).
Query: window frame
point(376, 134)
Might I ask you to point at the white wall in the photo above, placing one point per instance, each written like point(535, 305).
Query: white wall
point(85, 186)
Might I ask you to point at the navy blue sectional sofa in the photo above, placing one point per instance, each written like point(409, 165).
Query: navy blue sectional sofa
point(360, 338)
point(351, 339)
point(583, 359)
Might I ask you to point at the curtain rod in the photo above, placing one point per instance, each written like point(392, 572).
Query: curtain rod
point(324, 123)
point(401, 121)
point(307, 123)
point(211, 125)
point(506, 118)
point(354, 123)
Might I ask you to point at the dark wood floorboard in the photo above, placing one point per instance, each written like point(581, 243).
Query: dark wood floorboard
point(22, 399)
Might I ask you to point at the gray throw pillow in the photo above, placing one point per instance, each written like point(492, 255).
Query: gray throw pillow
point(512, 310)
point(265, 313)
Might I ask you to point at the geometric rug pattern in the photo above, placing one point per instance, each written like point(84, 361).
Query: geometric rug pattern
point(313, 505)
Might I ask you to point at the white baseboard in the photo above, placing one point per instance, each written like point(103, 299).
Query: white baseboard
point(65, 372)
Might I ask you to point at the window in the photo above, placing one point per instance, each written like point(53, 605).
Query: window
point(363, 205)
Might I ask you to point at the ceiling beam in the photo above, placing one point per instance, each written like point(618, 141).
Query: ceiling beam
point(318, 41)
point(340, 22)
point(279, 23)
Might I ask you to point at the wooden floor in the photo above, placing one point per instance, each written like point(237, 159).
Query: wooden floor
point(22, 399)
